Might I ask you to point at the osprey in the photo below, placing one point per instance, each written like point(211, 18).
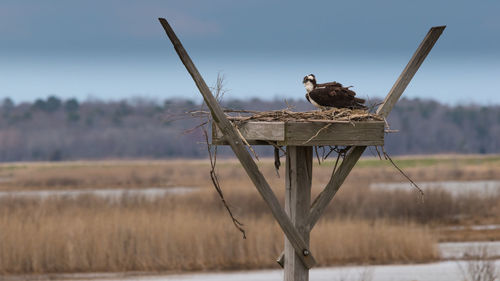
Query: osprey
point(331, 94)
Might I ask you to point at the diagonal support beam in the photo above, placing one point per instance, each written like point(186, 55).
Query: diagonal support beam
point(321, 202)
point(410, 70)
point(240, 151)
point(337, 179)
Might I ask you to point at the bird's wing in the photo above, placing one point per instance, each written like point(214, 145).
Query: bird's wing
point(330, 84)
point(336, 86)
point(322, 96)
point(335, 98)
point(345, 91)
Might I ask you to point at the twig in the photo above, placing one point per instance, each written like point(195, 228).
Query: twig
point(317, 133)
point(241, 111)
point(370, 108)
point(246, 142)
point(276, 146)
point(370, 149)
point(277, 162)
point(387, 124)
point(403, 173)
point(328, 154)
point(189, 131)
point(378, 152)
point(317, 155)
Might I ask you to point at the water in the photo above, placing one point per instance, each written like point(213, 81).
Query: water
point(148, 193)
point(438, 271)
point(474, 227)
point(482, 188)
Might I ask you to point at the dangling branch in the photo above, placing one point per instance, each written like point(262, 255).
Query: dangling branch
point(317, 154)
point(277, 162)
point(215, 181)
point(327, 154)
point(387, 157)
point(189, 131)
point(378, 152)
point(219, 93)
point(246, 142)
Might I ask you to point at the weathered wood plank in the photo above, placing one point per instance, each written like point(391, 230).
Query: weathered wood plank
point(240, 151)
point(250, 142)
point(297, 204)
point(333, 142)
point(310, 134)
point(334, 131)
point(271, 131)
point(410, 70)
point(359, 133)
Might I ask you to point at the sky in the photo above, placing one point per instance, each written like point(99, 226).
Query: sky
point(116, 49)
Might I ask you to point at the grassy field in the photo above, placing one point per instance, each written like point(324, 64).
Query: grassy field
point(193, 232)
point(90, 234)
point(145, 173)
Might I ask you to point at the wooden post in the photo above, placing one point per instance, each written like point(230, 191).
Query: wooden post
point(297, 205)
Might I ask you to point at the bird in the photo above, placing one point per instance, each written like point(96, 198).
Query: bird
point(331, 94)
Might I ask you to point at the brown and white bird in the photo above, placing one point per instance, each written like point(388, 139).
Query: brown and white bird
point(331, 94)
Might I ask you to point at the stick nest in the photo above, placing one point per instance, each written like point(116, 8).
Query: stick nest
point(285, 115)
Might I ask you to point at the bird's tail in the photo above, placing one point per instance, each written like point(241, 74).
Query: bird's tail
point(358, 100)
point(358, 104)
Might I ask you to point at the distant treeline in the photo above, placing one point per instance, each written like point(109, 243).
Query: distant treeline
point(55, 129)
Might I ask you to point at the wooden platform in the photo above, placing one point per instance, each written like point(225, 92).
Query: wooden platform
point(308, 133)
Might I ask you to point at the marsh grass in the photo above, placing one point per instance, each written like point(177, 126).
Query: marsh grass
point(193, 232)
point(90, 234)
point(146, 173)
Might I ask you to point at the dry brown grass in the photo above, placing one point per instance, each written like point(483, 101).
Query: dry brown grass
point(447, 235)
point(102, 174)
point(90, 234)
point(378, 241)
point(193, 232)
point(138, 174)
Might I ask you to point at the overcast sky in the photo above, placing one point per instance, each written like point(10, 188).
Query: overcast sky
point(117, 49)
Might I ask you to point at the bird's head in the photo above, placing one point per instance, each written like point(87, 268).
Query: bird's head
point(309, 82)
